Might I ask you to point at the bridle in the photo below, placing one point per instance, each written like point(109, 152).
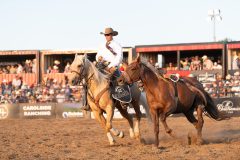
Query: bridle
point(82, 74)
point(128, 78)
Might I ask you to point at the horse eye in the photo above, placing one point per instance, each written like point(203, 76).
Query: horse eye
point(79, 66)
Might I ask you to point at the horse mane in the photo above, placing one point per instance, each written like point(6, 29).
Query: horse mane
point(100, 77)
point(150, 67)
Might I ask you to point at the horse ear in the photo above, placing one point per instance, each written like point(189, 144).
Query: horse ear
point(138, 58)
point(85, 57)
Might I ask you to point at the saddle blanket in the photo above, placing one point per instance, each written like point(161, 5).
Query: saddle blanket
point(122, 93)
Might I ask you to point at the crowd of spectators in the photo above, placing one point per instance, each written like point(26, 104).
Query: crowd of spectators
point(196, 63)
point(49, 91)
point(29, 66)
point(218, 86)
point(56, 68)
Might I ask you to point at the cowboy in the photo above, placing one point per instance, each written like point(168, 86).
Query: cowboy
point(111, 52)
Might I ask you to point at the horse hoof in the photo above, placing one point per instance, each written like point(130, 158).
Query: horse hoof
point(132, 135)
point(112, 143)
point(121, 134)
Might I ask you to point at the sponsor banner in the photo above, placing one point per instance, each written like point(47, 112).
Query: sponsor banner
point(37, 110)
point(9, 111)
point(69, 110)
point(230, 106)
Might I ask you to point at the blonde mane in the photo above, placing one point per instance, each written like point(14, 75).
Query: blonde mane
point(90, 69)
point(100, 77)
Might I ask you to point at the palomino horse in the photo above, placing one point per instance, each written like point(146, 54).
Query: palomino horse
point(165, 98)
point(100, 100)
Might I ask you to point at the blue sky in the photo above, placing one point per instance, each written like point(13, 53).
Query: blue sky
point(75, 24)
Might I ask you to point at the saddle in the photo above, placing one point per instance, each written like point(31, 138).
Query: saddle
point(120, 93)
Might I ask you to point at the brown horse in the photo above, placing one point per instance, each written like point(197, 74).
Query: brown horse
point(166, 97)
point(100, 100)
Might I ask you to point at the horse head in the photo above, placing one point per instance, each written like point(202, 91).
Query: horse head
point(77, 68)
point(132, 72)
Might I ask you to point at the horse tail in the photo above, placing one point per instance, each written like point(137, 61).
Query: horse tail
point(212, 109)
point(143, 102)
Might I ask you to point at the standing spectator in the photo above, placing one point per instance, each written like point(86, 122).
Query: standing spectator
point(67, 68)
point(236, 62)
point(19, 69)
point(207, 63)
point(49, 70)
point(27, 66)
point(34, 65)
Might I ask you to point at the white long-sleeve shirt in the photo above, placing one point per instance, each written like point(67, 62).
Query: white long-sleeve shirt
point(108, 56)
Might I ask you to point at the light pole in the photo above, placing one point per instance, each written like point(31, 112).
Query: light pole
point(213, 15)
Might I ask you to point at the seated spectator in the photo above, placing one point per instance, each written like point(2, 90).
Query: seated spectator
point(121, 68)
point(151, 61)
point(4, 85)
point(17, 82)
point(195, 64)
point(52, 95)
point(5, 70)
point(55, 69)
point(216, 66)
point(13, 70)
point(171, 67)
point(60, 97)
point(185, 64)
point(6, 99)
point(207, 63)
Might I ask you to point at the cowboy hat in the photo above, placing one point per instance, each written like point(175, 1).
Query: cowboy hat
point(55, 67)
point(109, 31)
point(28, 61)
point(204, 57)
point(56, 62)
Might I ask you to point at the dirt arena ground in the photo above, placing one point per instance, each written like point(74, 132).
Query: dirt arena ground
point(85, 139)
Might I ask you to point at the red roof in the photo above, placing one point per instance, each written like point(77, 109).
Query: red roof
point(180, 47)
point(233, 46)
